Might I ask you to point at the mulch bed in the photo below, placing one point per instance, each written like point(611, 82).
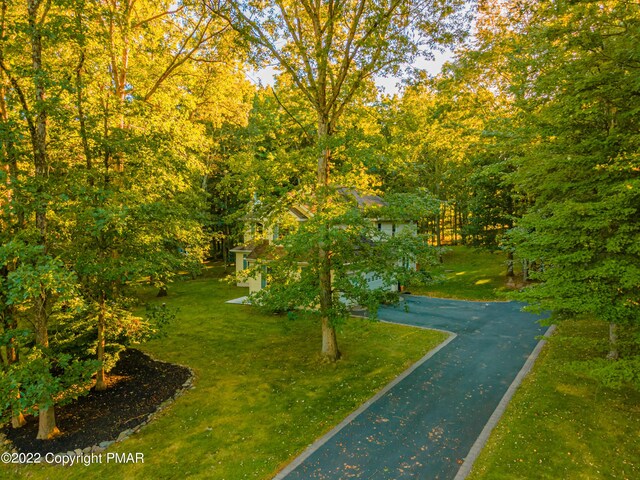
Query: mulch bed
point(137, 385)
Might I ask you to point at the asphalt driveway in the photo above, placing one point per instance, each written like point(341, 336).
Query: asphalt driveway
point(425, 425)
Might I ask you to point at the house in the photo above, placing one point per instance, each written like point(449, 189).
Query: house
point(261, 233)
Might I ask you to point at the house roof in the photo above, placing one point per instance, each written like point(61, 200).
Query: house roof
point(298, 213)
point(246, 248)
point(363, 200)
point(303, 212)
point(265, 251)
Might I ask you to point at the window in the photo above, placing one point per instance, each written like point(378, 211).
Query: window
point(393, 230)
point(276, 232)
point(379, 227)
point(245, 262)
point(263, 277)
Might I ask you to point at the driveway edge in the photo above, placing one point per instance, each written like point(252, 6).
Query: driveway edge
point(326, 437)
point(481, 441)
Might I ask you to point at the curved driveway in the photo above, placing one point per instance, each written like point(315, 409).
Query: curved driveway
point(425, 425)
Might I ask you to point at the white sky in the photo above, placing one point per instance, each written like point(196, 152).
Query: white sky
point(389, 85)
point(433, 67)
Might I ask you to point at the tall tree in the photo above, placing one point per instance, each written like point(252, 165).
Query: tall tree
point(577, 77)
point(102, 158)
point(329, 49)
point(30, 82)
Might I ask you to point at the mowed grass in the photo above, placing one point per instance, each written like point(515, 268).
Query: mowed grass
point(261, 395)
point(563, 425)
point(468, 273)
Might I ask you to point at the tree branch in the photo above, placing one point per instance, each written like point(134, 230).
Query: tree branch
point(155, 17)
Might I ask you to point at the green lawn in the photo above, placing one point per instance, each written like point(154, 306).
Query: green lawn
point(562, 425)
point(468, 273)
point(262, 394)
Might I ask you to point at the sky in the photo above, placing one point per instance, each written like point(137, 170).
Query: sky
point(388, 85)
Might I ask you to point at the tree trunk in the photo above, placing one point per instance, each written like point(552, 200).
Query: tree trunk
point(324, 135)
point(39, 132)
point(225, 247)
point(329, 340)
point(47, 423)
point(437, 229)
point(17, 418)
point(47, 428)
point(100, 376)
point(10, 158)
point(455, 224)
point(525, 270)
point(120, 72)
point(613, 342)
point(463, 224)
point(510, 273)
point(81, 115)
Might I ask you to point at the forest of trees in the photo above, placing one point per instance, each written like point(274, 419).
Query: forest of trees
point(132, 144)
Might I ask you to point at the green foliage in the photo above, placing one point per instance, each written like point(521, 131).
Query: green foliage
point(558, 160)
point(160, 318)
point(37, 275)
point(40, 377)
point(408, 207)
point(105, 118)
point(581, 164)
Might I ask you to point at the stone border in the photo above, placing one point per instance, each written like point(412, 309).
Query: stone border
point(476, 448)
point(125, 434)
point(362, 408)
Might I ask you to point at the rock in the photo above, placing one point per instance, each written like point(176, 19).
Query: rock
point(87, 450)
point(105, 444)
point(97, 449)
point(71, 453)
point(78, 452)
point(124, 435)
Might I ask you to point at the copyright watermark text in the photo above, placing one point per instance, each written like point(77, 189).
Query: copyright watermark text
point(68, 459)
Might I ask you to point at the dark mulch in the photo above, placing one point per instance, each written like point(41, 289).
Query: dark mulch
point(137, 386)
